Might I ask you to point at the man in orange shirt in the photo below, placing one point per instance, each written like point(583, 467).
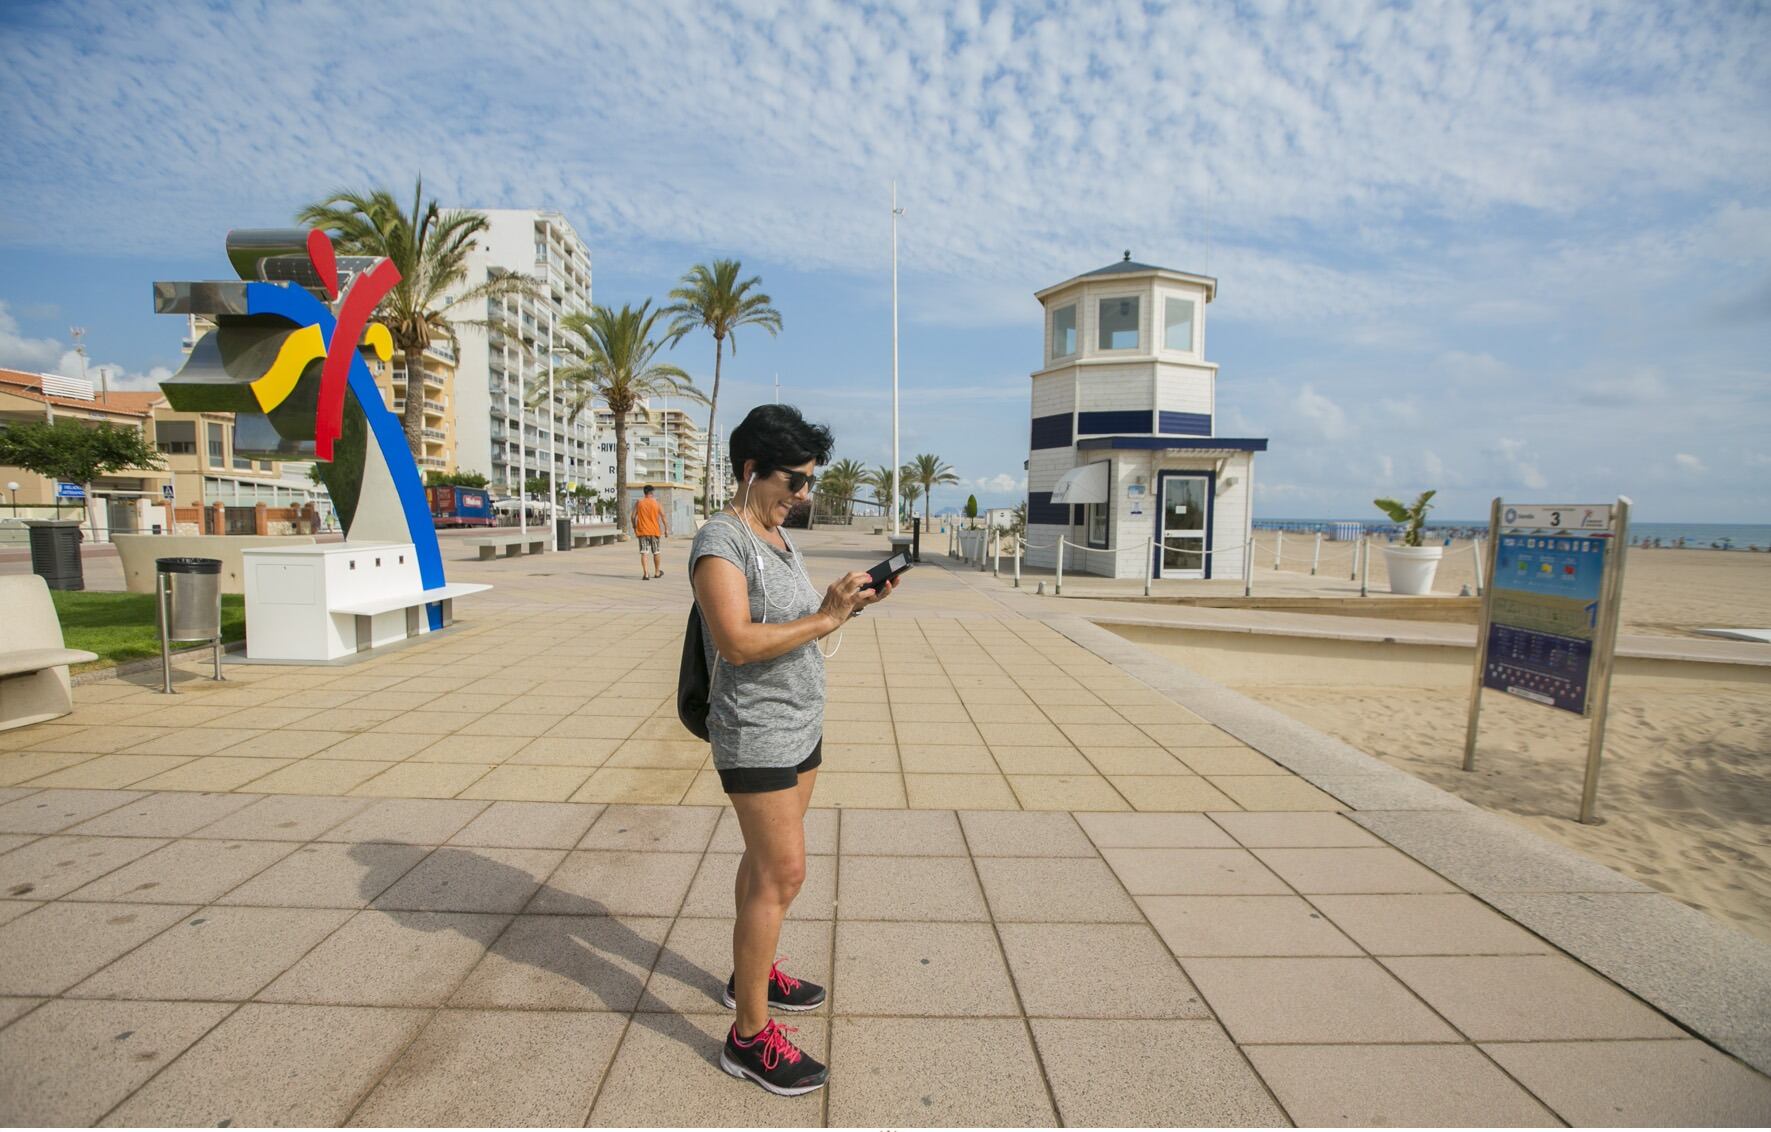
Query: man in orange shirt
point(649, 526)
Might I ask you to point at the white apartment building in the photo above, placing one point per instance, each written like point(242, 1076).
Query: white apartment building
point(664, 445)
point(493, 434)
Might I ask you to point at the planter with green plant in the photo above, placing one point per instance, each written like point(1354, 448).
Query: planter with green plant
point(1411, 566)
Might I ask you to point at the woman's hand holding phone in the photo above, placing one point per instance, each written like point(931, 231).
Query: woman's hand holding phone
point(850, 594)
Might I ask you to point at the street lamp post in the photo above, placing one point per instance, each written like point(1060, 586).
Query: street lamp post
point(12, 486)
point(553, 445)
point(522, 452)
point(896, 212)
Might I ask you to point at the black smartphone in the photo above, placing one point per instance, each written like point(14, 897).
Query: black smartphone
point(886, 571)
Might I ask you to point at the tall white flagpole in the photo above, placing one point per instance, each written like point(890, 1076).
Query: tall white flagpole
point(896, 212)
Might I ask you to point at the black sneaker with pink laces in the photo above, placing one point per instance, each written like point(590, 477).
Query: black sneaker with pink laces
point(773, 1061)
point(785, 991)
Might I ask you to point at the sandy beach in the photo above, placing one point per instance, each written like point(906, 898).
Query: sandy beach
point(1685, 795)
point(1666, 593)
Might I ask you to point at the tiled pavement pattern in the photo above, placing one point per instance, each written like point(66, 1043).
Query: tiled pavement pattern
point(929, 713)
point(392, 894)
point(198, 958)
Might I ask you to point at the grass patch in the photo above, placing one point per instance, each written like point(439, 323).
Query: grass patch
point(120, 627)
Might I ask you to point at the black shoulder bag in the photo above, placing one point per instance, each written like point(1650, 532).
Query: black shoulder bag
point(692, 683)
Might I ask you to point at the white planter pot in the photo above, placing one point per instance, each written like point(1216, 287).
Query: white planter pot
point(1412, 568)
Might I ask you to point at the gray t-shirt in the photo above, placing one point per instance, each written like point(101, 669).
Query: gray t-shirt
point(769, 713)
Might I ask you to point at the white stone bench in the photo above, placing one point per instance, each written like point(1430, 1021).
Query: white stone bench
point(34, 683)
point(600, 535)
point(513, 544)
point(413, 603)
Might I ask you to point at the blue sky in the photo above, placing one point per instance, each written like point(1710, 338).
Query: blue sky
point(1491, 249)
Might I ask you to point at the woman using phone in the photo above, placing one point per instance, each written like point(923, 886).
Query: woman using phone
point(765, 717)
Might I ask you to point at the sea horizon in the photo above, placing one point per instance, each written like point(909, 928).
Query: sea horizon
point(1696, 535)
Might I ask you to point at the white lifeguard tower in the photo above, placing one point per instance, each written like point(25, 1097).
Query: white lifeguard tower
point(1124, 446)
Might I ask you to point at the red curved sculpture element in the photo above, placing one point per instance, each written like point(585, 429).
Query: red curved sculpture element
point(319, 251)
point(366, 290)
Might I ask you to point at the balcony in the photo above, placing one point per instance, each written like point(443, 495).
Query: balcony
point(435, 434)
point(432, 462)
point(434, 406)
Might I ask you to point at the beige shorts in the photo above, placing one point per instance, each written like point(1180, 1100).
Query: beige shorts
point(648, 543)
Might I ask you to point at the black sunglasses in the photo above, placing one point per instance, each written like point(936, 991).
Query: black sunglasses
point(797, 481)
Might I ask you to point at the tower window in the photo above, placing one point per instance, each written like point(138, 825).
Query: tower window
point(1177, 331)
point(1064, 331)
point(1119, 324)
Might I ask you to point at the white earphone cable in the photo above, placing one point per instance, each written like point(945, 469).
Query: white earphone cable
point(761, 575)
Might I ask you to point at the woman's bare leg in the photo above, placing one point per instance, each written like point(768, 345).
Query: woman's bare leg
point(771, 872)
point(741, 883)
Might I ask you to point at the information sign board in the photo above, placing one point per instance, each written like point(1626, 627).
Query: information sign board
point(1543, 616)
point(1548, 628)
point(64, 490)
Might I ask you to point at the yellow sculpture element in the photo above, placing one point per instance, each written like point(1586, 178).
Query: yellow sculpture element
point(298, 351)
point(379, 340)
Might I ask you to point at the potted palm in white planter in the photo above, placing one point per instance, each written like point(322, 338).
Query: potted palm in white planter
point(1411, 566)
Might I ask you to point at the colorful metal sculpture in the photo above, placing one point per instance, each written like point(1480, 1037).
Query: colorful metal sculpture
point(286, 358)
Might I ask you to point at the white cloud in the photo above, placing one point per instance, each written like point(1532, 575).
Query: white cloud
point(1515, 464)
point(33, 355)
point(1002, 481)
point(1689, 463)
point(48, 355)
point(1322, 413)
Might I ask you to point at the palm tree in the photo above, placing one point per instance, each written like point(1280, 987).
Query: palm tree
point(429, 248)
point(879, 480)
point(612, 357)
point(712, 298)
point(930, 472)
point(840, 481)
point(908, 490)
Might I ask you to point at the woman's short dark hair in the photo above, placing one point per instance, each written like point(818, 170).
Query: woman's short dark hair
point(777, 436)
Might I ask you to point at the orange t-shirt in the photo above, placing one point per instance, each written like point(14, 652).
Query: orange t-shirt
point(648, 518)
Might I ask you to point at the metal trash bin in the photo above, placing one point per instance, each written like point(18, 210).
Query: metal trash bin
point(55, 552)
point(187, 607)
point(562, 534)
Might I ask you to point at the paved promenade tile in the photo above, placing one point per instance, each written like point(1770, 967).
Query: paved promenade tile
point(486, 879)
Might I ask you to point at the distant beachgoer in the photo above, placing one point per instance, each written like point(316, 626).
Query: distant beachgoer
point(649, 526)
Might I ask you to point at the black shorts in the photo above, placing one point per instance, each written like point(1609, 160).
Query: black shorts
point(763, 779)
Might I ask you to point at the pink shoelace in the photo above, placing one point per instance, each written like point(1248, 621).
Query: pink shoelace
point(776, 1045)
point(786, 982)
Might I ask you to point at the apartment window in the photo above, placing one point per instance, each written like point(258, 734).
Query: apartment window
point(1119, 324)
point(264, 465)
point(176, 437)
point(217, 452)
point(1177, 333)
point(1064, 331)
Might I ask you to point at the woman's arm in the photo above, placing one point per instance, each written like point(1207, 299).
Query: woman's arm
point(723, 594)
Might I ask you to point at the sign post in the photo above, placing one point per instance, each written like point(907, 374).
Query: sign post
point(1548, 632)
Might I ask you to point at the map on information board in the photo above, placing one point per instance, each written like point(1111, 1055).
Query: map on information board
point(1544, 615)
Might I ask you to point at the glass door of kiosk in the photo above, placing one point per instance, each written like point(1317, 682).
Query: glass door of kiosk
point(1182, 525)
